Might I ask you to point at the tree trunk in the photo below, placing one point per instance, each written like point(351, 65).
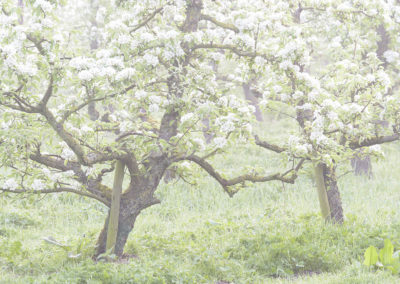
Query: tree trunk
point(328, 192)
point(126, 222)
point(362, 166)
point(248, 94)
point(335, 201)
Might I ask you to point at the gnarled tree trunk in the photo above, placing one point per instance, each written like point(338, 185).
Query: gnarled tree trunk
point(130, 207)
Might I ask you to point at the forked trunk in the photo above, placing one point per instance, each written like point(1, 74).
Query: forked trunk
point(129, 210)
point(125, 226)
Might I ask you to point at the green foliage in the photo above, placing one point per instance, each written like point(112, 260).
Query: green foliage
point(386, 259)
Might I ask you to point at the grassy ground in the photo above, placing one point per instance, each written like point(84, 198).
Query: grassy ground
point(268, 233)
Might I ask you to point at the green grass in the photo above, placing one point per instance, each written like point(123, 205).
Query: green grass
point(267, 233)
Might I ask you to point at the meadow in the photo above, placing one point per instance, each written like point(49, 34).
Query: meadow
point(267, 233)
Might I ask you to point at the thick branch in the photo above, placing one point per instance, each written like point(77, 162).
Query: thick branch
point(374, 141)
point(272, 147)
point(48, 94)
point(220, 24)
point(226, 183)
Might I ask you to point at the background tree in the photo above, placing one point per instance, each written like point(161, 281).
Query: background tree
point(318, 63)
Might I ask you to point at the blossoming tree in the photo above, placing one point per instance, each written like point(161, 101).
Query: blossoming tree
point(151, 65)
point(321, 63)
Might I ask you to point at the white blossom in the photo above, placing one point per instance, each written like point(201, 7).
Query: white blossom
point(67, 154)
point(219, 142)
point(38, 184)
point(151, 59)
point(187, 117)
point(10, 184)
point(391, 56)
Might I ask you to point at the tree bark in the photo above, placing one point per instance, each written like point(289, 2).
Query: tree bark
point(362, 166)
point(335, 201)
point(328, 193)
point(248, 94)
point(129, 210)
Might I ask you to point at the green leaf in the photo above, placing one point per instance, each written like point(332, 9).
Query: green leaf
point(370, 256)
point(386, 254)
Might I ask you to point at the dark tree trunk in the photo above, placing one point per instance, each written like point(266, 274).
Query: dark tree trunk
point(362, 166)
point(128, 213)
point(334, 199)
point(248, 94)
point(206, 130)
point(93, 113)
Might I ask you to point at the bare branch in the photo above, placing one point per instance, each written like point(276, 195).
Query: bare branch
point(58, 190)
point(147, 20)
point(232, 48)
point(226, 183)
point(266, 145)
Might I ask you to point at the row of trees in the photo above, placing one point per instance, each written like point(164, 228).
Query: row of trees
point(89, 88)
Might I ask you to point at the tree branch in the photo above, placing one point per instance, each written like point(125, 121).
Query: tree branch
point(148, 19)
point(58, 190)
point(266, 145)
point(220, 24)
point(226, 183)
point(374, 141)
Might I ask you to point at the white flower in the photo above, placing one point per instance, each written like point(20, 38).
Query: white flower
point(185, 164)
point(127, 73)
point(85, 75)
point(259, 60)
point(346, 6)
point(67, 154)
point(151, 59)
point(10, 184)
point(187, 117)
point(86, 129)
point(123, 39)
point(80, 63)
point(38, 184)
point(370, 78)
point(155, 99)
point(391, 56)
point(154, 108)
point(286, 64)
point(44, 5)
point(140, 94)
point(219, 142)
point(199, 142)
point(146, 37)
